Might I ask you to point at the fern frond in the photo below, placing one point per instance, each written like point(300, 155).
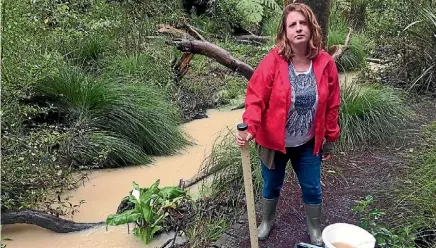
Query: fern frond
point(272, 4)
point(253, 10)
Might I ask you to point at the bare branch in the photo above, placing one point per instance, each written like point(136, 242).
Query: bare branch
point(252, 37)
point(336, 51)
point(194, 31)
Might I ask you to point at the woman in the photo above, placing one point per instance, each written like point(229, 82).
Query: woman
point(292, 104)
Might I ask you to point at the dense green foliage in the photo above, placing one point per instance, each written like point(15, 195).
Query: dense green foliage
point(404, 32)
point(81, 90)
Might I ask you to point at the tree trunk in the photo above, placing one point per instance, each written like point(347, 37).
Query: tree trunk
point(321, 8)
point(45, 220)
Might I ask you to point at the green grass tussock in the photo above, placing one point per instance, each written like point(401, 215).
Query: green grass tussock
point(138, 113)
point(370, 114)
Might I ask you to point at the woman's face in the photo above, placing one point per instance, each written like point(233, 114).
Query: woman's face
point(297, 29)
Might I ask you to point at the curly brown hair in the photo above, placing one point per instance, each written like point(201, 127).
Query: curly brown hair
point(315, 42)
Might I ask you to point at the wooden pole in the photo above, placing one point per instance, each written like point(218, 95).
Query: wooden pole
point(248, 183)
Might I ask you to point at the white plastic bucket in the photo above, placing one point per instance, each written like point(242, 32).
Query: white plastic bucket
point(346, 233)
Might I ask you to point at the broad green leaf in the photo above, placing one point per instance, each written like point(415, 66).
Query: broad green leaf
point(136, 194)
point(155, 185)
point(155, 229)
point(171, 192)
point(146, 234)
point(146, 197)
point(147, 213)
point(135, 186)
point(128, 216)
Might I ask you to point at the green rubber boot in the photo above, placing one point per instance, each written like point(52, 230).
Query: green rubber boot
point(269, 207)
point(313, 217)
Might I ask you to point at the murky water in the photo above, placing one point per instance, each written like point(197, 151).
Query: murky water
point(106, 188)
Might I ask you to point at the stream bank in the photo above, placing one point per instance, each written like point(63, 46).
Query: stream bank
point(105, 188)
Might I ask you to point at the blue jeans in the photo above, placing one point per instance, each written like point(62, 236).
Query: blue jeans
point(307, 167)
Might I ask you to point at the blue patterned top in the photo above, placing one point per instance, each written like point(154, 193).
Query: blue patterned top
point(300, 125)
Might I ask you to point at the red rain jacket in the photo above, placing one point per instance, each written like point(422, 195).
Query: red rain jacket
point(268, 97)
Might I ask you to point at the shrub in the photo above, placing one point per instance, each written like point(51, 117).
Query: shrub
point(32, 173)
point(354, 58)
point(370, 114)
point(420, 66)
point(228, 16)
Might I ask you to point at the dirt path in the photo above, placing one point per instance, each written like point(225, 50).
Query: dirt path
point(346, 177)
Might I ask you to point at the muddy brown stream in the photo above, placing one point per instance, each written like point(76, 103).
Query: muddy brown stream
point(105, 188)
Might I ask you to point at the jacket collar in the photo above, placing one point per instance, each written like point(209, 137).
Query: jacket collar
point(318, 63)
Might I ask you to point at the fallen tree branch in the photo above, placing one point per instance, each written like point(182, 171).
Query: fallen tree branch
point(213, 51)
point(199, 177)
point(252, 37)
point(337, 51)
point(46, 221)
point(180, 66)
point(379, 61)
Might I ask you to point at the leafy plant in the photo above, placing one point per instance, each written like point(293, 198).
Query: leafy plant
point(385, 237)
point(151, 206)
point(253, 10)
point(226, 15)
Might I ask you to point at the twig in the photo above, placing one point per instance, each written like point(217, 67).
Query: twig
point(166, 243)
point(175, 236)
point(193, 30)
point(199, 177)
